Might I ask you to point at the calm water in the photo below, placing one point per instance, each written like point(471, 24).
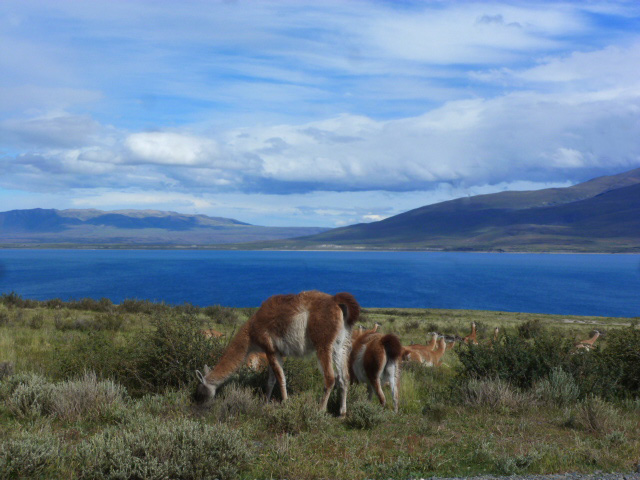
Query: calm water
point(607, 285)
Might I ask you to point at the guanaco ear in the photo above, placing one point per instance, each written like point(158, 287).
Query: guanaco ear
point(200, 376)
point(206, 370)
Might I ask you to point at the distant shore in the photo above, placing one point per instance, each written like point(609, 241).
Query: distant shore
point(246, 248)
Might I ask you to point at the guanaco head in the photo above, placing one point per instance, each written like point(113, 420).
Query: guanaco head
point(205, 391)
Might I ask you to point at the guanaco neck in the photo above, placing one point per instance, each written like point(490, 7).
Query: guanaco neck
point(232, 358)
point(593, 339)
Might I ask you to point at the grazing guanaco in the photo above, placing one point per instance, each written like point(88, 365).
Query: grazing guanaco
point(471, 338)
point(291, 325)
point(435, 356)
point(211, 333)
point(410, 354)
point(588, 344)
point(422, 350)
point(375, 360)
point(429, 358)
point(495, 336)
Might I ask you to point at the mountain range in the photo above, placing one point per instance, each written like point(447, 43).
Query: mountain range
point(600, 215)
point(132, 227)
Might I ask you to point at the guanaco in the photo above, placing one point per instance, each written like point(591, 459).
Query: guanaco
point(291, 325)
point(375, 360)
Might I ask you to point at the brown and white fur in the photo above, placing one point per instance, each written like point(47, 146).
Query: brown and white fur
point(471, 338)
point(257, 361)
point(375, 360)
point(419, 353)
point(429, 358)
point(211, 333)
point(292, 325)
point(588, 344)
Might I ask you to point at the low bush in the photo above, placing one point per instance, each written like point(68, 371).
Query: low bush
point(88, 399)
point(513, 464)
point(364, 415)
point(13, 300)
point(176, 449)
point(222, 315)
point(6, 369)
point(514, 359)
point(97, 352)
point(493, 393)
point(558, 388)
point(531, 329)
point(596, 415)
point(169, 404)
point(236, 401)
point(30, 455)
point(5, 317)
point(28, 395)
point(36, 321)
point(168, 355)
point(91, 305)
point(300, 413)
point(103, 321)
point(612, 372)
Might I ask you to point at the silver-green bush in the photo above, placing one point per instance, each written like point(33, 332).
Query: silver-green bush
point(177, 449)
point(28, 456)
point(559, 388)
point(27, 395)
point(493, 393)
point(87, 398)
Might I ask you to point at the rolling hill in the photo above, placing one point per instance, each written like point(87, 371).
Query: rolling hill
point(131, 228)
point(600, 215)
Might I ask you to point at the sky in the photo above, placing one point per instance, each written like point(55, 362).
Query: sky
point(306, 113)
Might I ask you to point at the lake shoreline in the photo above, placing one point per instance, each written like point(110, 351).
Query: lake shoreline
point(349, 250)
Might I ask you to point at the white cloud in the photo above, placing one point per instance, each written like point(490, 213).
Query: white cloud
point(169, 148)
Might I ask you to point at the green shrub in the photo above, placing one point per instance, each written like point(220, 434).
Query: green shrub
point(143, 306)
point(531, 329)
point(222, 315)
point(6, 369)
point(102, 321)
point(611, 372)
point(92, 305)
point(168, 355)
point(37, 321)
point(516, 360)
point(176, 449)
point(364, 415)
point(97, 352)
point(300, 413)
point(5, 318)
point(558, 388)
point(30, 455)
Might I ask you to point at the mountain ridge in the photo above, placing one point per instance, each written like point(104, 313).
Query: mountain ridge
point(581, 217)
point(132, 227)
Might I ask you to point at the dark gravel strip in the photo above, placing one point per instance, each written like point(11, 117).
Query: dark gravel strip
point(563, 476)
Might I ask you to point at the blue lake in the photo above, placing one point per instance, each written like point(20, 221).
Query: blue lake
point(606, 285)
